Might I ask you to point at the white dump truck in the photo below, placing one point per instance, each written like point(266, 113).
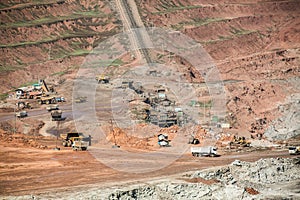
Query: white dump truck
point(52, 107)
point(294, 150)
point(79, 144)
point(204, 151)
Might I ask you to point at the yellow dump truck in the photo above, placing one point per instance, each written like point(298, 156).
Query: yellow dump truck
point(47, 100)
point(68, 138)
point(56, 115)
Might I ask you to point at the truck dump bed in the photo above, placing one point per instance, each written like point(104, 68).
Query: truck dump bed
point(204, 151)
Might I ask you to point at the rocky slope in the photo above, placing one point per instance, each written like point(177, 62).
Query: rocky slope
point(255, 42)
point(44, 38)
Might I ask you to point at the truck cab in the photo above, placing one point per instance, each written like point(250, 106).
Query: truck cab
point(294, 150)
point(79, 144)
point(52, 107)
point(68, 138)
point(21, 114)
point(204, 151)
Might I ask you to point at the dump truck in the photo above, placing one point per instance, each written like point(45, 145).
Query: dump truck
point(102, 79)
point(204, 151)
point(194, 140)
point(23, 105)
point(294, 150)
point(163, 140)
point(52, 107)
point(21, 114)
point(80, 99)
point(68, 138)
point(47, 100)
point(56, 115)
point(79, 144)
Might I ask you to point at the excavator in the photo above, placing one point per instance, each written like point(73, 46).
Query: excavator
point(194, 140)
point(46, 90)
point(240, 141)
point(22, 105)
point(102, 79)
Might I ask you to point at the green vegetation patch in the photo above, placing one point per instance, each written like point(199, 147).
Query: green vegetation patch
point(51, 39)
point(8, 68)
point(175, 8)
point(103, 63)
point(196, 22)
point(28, 3)
point(58, 73)
point(236, 31)
point(53, 19)
point(117, 62)
point(79, 52)
point(3, 96)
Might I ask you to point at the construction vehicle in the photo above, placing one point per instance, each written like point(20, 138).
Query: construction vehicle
point(68, 138)
point(52, 107)
point(294, 150)
point(23, 105)
point(80, 99)
point(194, 140)
point(21, 114)
point(47, 100)
point(45, 88)
point(60, 99)
point(204, 151)
point(163, 140)
point(79, 144)
point(34, 94)
point(240, 141)
point(56, 115)
point(102, 79)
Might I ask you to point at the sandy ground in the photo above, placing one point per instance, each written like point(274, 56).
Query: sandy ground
point(31, 171)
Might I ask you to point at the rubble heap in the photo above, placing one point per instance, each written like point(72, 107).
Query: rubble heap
point(240, 180)
point(273, 178)
point(286, 126)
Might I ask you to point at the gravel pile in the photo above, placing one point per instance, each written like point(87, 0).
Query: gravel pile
point(288, 125)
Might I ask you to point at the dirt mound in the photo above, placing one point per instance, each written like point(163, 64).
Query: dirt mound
point(287, 126)
point(251, 191)
point(22, 133)
point(119, 137)
point(143, 136)
point(20, 140)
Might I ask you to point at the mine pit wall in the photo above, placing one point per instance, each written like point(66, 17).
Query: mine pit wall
point(50, 37)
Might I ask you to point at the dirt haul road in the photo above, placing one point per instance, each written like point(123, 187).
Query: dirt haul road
point(33, 171)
